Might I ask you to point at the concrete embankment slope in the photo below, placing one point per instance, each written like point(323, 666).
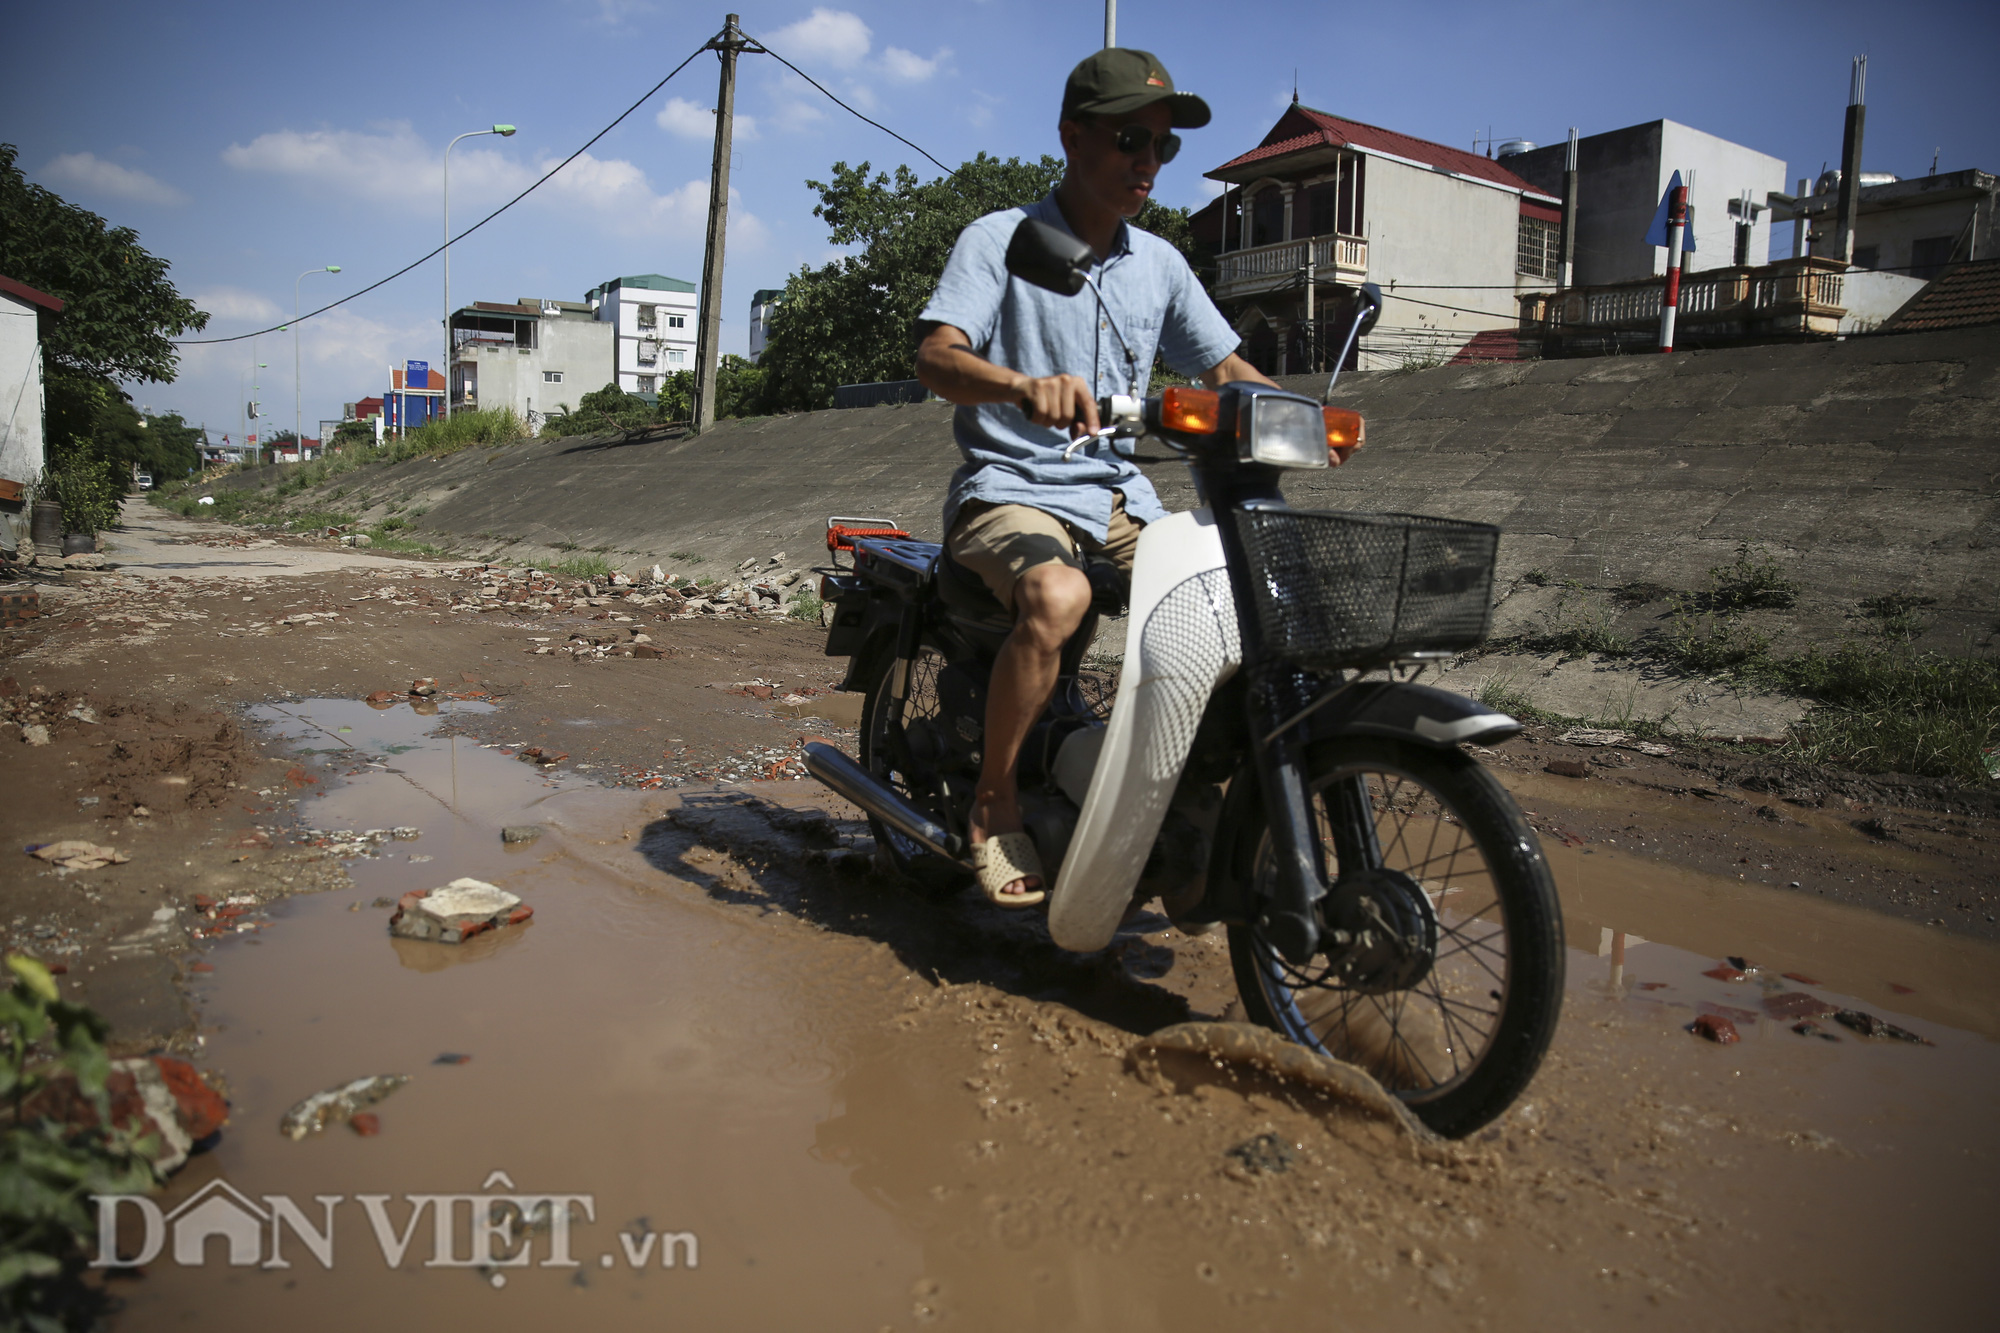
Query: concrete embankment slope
point(1867, 467)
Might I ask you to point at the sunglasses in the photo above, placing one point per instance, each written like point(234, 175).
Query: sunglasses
point(1134, 138)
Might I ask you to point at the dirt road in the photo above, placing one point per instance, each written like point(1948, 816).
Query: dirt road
point(834, 1105)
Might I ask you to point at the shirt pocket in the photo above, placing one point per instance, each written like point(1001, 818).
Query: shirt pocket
point(1142, 339)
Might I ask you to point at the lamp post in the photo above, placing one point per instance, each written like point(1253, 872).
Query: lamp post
point(505, 132)
point(298, 433)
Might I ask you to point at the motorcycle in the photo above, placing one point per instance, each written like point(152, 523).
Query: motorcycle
point(1267, 763)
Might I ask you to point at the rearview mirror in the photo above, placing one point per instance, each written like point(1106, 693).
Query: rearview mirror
point(1048, 257)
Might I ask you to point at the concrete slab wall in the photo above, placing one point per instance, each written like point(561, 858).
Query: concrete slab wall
point(1867, 467)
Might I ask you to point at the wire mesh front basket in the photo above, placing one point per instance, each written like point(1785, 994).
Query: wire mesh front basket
point(1338, 590)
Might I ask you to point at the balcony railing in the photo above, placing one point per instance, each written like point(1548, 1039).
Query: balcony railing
point(1266, 267)
point(1792, 296)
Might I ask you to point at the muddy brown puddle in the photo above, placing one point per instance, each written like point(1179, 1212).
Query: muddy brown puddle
point(782, 1101)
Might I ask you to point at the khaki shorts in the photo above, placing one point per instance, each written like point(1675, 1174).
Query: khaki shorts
point(1000, 543)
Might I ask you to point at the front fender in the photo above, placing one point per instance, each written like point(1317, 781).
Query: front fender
point(1441, 719)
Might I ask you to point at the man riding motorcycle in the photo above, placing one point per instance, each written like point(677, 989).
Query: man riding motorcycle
point(1026, 507)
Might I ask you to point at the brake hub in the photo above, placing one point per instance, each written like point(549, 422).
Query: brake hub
point(1381, 930)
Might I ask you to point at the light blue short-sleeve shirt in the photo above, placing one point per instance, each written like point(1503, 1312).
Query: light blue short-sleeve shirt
point(1155, 302)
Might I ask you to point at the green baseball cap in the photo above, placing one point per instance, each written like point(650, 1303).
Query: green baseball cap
point(1119, 79)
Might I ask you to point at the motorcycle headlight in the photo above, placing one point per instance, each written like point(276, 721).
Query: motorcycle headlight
point(1281, 431)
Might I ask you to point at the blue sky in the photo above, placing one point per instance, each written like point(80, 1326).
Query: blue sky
point(247, 143)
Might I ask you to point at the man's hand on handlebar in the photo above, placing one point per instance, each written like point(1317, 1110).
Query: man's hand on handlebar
point(1062, 401)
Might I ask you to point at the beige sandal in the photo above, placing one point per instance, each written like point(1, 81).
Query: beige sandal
point(1001, 860)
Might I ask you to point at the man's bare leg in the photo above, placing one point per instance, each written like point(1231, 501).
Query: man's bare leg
point(1049, 603)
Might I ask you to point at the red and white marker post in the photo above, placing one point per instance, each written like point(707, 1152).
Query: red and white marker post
point(1677, 209)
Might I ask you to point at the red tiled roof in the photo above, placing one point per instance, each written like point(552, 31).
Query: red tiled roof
point(1302, 128)
point(29, 294)
point(1960, 298)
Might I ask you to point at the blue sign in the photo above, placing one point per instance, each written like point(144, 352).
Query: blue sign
point(417, 374)
point(1657, 233)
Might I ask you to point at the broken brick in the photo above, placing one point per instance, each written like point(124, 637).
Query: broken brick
point(1796, 1004)
point(1715, 1028)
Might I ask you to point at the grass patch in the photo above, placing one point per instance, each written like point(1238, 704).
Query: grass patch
point(1580, 625)
point(1537, 578)
point(687, 557)
point(1899, 616)
point(1707, 643)
point(309, 519)
point(1753, 582)
point(1891, 710)
point(586, 567)
point(434, 439)
point(806, 606)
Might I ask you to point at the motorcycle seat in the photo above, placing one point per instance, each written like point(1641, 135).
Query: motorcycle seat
point(966, 596)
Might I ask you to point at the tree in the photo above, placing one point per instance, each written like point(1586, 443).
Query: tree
point(120, 312)
point(854, 321)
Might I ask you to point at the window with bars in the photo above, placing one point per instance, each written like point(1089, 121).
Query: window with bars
point(649, 316)
point(1535, 251)
point(645, 383)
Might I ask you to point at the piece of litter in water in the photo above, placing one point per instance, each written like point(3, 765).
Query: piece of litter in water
point(316, 1112)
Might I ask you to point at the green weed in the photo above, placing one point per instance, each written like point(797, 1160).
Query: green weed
point(585, 567)
point(806, 606)
point(1753, 582)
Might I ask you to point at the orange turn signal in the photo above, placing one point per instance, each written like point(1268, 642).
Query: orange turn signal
point(1343, 428)
point(1190, 411)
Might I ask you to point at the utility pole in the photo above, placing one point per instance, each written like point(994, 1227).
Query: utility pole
point(1850, 157)
point(1111, 23)
point(1566, 265)
point(729, 43)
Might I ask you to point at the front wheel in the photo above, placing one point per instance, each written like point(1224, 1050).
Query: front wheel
point(1450, 986)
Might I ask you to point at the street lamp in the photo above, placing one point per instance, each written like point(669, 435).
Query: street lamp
point(298, 432)
point(505, 132)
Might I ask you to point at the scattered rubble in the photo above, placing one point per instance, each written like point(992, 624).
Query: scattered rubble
point(154, 1096)
point(316, 1112)
point(457, 912)
point(75, 854)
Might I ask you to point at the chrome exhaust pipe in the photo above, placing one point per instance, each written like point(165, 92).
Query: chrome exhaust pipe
point(858, 785)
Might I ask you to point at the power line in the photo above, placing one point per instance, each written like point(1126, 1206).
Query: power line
point(198, 342)
point(949, 171)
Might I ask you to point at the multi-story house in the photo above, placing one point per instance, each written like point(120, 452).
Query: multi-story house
point(1324, 204)
point(534, 356)
point(653, 317)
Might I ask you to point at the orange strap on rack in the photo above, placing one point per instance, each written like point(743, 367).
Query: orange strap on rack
point(840, 537)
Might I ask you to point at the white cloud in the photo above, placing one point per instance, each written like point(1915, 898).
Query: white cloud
point(1210, 189)
point(233, 303)
point(615, 12)
point(689, 120)
point(909, 67)
point(826, 36)
point(393, 167)
point(91, 174)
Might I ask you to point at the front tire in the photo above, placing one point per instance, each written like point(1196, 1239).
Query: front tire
point(1459, 1042)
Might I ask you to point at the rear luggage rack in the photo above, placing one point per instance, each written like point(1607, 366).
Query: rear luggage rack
point(841, 532)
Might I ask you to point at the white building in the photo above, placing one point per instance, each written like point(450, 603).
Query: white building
point(534, 356)
point(1620, 176)
point(654, 319)
point(22, 310)
point(763, 305)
